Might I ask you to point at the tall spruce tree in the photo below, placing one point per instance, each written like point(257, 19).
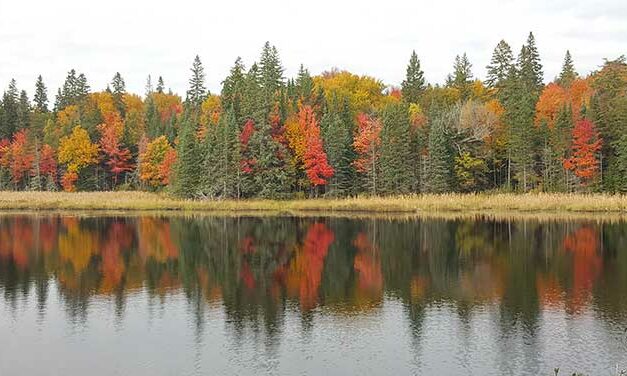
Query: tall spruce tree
point(23, 110)
point(461, 78)
point(271, 75)
point(197, 91)
point(568, 73)
point(160, 85)
point(414, 84)
point(220, 177)
point(500, 65)
point(41, 96)
point(338, 144)
point(529, 67)
point(270, 172)
point(395, 159)
point(119, 89)
point(233, 89)
point(189, 158)
point(10, 120)
point(440, 162)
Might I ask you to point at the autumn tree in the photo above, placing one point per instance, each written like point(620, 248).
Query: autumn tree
point(367, 144)
point(315, 159)
point(76, 151)
point(585, 147)
point(116, 157)
point(152, 160)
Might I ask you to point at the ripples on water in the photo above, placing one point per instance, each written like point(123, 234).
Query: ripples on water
point(212, 295)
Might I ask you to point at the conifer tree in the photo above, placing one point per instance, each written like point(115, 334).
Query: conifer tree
point(186, 183)
point(500, 65)
point(23, 110)
point(222, 158)
point(197, 91)
point(233, 89)
point(394, 162)
point(440, 164)
point(10, 120)
point(160, 86)
point(41, 96)
point(568, 73)
point(270, 174)
point(270, 75)
point(119, 89)
point(530, 67)
point(338, 147)
point(462, 76)
point(414, 84)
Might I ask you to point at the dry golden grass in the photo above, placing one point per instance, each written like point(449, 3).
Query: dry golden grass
point(411, 204)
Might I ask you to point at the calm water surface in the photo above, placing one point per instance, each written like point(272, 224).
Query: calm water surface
point(129, 295)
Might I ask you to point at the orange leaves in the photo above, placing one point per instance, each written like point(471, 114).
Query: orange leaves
point(47, 162)
point(554, 97)
point(586, 144)
point(19, 158)
point(156, 162)
point(551, 101)
point(367, 142)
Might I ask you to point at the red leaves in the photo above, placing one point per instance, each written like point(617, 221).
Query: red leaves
point(586, 143)
point(19, 157)
point(367, 142)
point(47, 162)
point(118, 158)
point(315, 159)
point(68, 180)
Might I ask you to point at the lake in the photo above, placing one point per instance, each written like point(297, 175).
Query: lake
point(208, 295)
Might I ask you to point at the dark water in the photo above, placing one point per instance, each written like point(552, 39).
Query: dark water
point(319, 296)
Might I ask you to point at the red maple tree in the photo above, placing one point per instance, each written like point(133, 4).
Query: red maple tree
point(315, 159)
point(118, 159)
point(586, 144)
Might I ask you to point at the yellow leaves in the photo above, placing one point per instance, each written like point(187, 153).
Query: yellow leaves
point(67, 119)
point(364, 93)
point(135, 118)
point(152, 161)
point(295, 134)
point(77, 150)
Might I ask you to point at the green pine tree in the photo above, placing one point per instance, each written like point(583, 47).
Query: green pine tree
point(395, 160)
point(414, 84)
point(197, 91)
point(461, 78)
point(500, 65)
point(337, 140)
point(568, 73)
point(41, 96)
point(119, 89)
point(186, 174)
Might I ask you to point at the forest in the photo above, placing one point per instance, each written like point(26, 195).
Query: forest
point(337, 134)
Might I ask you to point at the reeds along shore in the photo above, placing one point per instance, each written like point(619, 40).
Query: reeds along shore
point(484, 202)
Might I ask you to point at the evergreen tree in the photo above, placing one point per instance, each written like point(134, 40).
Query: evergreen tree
point(23, 110)
point(568, 73)
point(222, 158)
point(414, 84)
point(336, 135)
point(462, 76)
point(10, 121)
point(233, 89)
point(160, 85)
point(149, 88)
point(186, 183)
point(440, 164)
point(304, 86)
point(530, 67)
point(500, 65)
point(394, 162)
point(197, 92)
point(41, 96)
point(119, 89)
point(270, 75)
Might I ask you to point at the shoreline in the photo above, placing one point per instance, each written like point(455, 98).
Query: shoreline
point(474, 204)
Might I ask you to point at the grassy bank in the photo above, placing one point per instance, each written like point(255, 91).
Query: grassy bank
point(557, 203)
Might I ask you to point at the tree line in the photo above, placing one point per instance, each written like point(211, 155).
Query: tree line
point(335, 134)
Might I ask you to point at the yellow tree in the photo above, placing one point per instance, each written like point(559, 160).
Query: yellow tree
point(76, 151)
point(152, 161)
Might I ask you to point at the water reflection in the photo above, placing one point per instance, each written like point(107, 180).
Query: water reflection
point(494, 295)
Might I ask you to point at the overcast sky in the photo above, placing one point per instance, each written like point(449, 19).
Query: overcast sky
point(141, 37)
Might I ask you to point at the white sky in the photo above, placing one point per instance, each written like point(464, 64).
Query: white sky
point(141, 37)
